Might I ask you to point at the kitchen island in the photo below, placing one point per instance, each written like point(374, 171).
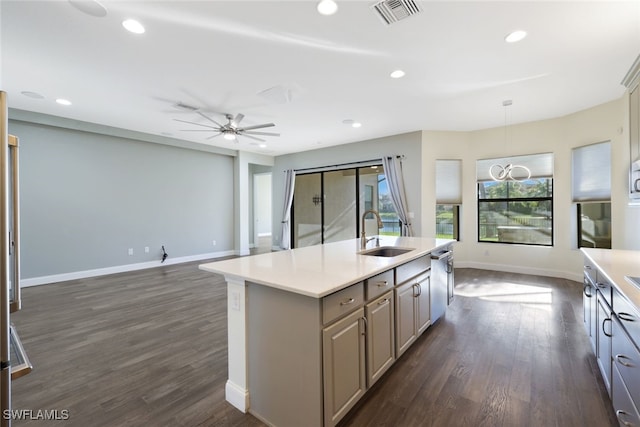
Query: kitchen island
point(311, 329)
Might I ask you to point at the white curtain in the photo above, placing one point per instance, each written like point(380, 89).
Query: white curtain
point(289, 184)
point(393, 173)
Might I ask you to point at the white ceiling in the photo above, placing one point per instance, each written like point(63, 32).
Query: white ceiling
point(219, 55)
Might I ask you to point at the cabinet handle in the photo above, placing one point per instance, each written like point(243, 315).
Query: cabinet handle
point(603, 331)
point(587, 267)
point(621, 360)
point(419, 289)
point(584, 290)
point(382, 284)
point(602, 285)
point(347, 302)
point(626, 316)
point(366, 324)
point(619, 414)
point(384, 301)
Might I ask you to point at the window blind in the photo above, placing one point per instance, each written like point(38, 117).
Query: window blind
point(591, 172)
point(448, 182)
point(540, 165)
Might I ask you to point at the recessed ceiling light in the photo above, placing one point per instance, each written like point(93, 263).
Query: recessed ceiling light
point(397, 74)
point(327, 7)
point(133, 26)
point(34, 95)
point(263, 145)
point(63, 101)
point(515, 36)
point(356, 124)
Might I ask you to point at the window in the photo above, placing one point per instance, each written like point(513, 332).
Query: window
point(515, 200)
point(591, 191)
point(448, 198)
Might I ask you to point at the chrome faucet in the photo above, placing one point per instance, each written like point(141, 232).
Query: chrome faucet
point(363, 236)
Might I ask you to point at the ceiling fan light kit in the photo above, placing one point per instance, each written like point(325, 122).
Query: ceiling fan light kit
point(230, 130)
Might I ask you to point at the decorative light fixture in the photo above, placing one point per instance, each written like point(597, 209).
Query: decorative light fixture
point(506, 173)
point(327, 7)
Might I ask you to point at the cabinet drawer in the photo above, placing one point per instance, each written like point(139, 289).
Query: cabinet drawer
point(626, 411)
point(628, 316)
point(379, 284)
point(605, 288)
point(342, 302)
point(412, 268)
point(590, 270)
point(626, 358)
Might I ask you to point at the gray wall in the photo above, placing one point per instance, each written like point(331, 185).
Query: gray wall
point(408, 144)
point(86, 198)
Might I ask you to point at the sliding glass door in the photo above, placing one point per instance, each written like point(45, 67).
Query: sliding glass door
point(328, 206)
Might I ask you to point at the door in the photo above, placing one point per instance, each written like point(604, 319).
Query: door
point(307, 210)
point(423, 300)
point(603, 352)
point(405, 316)
point(343, 351)
point(262, 209)
point(340, 214)
point(380, 337)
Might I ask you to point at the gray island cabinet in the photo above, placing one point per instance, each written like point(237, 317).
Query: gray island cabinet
point(312, 329)
point(611, 314)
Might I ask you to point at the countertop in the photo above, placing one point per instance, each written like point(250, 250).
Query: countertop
point(317, 271)
point(616, 264)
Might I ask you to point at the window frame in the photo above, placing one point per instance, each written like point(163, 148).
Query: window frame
point(516, 199)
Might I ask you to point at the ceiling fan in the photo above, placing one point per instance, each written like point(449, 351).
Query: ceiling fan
point(230, 130)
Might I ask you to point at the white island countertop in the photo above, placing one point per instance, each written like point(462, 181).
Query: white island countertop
point(317, 271)
point(616, 264)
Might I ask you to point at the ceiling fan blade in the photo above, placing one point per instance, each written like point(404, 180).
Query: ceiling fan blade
point(197, 130)
point(252, 137)
point(213, 136)
point(236, 121)
point(251, 132)
point(208, 118)
point(197, 124)
point(265, 125)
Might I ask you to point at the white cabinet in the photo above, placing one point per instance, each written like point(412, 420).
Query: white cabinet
point(343, 351)
point(603, 343)
point(380, 336)
point(412, 311)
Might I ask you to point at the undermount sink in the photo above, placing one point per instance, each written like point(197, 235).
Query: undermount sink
point(386, 251)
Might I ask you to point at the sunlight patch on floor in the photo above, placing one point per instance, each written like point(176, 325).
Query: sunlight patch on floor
point(507, 292)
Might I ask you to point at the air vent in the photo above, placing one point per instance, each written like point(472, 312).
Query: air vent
point(391, 11)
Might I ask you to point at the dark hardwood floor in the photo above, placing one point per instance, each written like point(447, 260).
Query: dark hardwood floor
point(149, 348)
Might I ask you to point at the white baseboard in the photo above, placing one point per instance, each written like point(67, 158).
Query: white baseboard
point(237, 396)
point(522, 270)
point(55, 278)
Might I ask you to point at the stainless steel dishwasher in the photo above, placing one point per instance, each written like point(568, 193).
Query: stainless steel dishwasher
point(442, 282)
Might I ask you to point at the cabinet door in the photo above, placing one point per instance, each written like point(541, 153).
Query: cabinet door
point(380, 337)
point(343, 350)
point(589, 312)
point(423, 310)
point(405, 317)
point(603, 347)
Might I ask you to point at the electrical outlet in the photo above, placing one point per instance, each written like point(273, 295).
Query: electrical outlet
point(146, 249)
point(235, 300)
point(486, 252)
point(130, 251)
point(214, 243)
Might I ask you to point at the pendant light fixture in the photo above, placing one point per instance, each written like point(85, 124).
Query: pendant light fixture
point(508, 172)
